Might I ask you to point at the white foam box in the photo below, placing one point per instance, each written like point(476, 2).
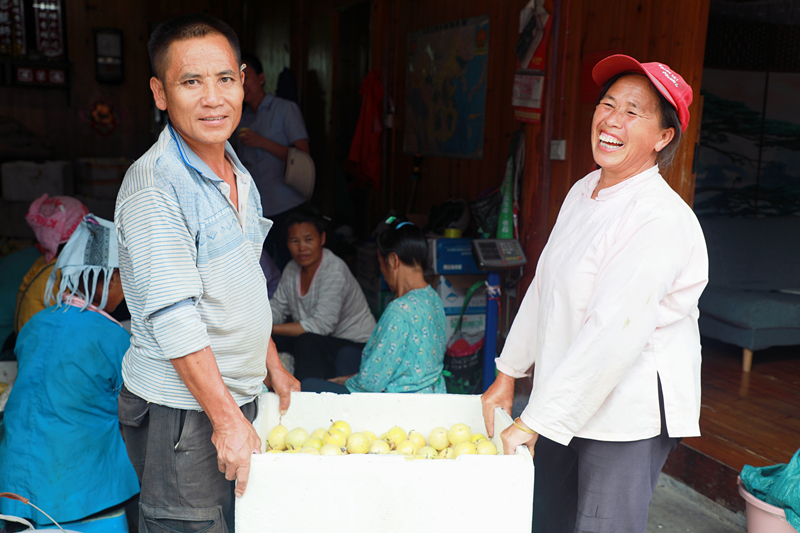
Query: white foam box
point(25, 181)
point(386, 493)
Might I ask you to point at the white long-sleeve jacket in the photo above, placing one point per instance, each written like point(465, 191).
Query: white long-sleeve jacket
point(612, 308)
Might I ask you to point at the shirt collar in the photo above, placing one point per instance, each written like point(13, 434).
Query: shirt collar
point(266, 104)
point(193, 160)
point(620, 188)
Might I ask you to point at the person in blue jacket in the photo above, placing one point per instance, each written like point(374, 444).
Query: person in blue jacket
point(63, 448)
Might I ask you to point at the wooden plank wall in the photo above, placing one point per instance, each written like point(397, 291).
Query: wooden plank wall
point(445, 178)
point(268, 35)
point(649, 30)
point(56, 114)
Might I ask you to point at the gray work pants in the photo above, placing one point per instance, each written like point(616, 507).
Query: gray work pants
point(182, 489)
point(593, 486)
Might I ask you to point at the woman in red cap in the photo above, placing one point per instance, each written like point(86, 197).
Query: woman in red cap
point(610, 319)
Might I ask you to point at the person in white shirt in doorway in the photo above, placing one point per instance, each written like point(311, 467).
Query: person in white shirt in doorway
point(609, 322)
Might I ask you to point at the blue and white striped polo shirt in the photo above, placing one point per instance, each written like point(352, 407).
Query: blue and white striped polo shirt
point(190, 274)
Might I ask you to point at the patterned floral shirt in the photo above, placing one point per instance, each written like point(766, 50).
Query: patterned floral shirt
point(406, 351)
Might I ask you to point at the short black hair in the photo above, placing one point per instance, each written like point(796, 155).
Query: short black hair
point(187, 27)
point(668, 116)
point(407, 241)
point(305, 214)
point(251, 60)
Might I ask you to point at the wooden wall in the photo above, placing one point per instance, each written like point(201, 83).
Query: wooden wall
point(445, 178)
point(649, 30)
point(56, 115)
point(314, 59)
point(268, 34)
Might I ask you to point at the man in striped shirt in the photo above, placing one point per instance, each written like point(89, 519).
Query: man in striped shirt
point(190, 233)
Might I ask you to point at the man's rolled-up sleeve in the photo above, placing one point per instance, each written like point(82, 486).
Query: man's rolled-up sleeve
point(158, 263)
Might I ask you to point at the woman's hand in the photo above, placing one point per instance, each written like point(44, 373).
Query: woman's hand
point(512, 437)
point(499, 394)
point(341, 379)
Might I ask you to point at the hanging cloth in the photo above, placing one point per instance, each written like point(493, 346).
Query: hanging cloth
point(365, 150)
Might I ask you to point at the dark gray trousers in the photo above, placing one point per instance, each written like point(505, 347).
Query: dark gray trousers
point(182, 489)
point(595, 486)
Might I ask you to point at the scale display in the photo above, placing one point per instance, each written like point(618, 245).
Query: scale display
point(498, 254)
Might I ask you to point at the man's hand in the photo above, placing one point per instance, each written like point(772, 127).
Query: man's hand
point(280, 380)
point(236, 443)
point(250, 138)
point(234, 436)
point(499, 394)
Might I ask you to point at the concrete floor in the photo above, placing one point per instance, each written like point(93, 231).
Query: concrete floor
point(677, 508)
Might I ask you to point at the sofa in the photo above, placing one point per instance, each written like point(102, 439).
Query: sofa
point(753, 295)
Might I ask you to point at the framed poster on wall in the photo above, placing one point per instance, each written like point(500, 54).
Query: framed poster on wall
point(446, 89)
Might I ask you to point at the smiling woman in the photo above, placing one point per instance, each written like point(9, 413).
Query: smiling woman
point(610, 320)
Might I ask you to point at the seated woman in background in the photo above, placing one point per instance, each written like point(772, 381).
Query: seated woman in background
point(406, 351)
point(326, 305)
point(62, 447)
point(53, 220)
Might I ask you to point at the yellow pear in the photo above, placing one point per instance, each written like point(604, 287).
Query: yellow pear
point(343, 426)
point(459, 433)
point(428, 452)
point(418, 438)
point(331, 449)
point(296, 438)
point(408, 446)
point(464, 448)
point(335, 437)
point(313, 442)
point(438, 438)
point(379, 447)
point(486, 447)
point(477, 437)
point(277, 437)
point(395, 436)
point(318, 433)
point(357, 443)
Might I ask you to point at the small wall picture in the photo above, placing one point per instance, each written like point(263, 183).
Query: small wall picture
point(108, 55)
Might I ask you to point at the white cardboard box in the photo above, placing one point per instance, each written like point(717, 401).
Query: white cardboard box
point(100, 177)
point(385, 493)
point(25, 181)
point(470, 324)
point(453, 290)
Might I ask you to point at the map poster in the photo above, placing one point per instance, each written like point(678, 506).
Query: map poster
point(446, 89)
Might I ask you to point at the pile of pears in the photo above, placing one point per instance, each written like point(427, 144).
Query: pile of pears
point(339, 439)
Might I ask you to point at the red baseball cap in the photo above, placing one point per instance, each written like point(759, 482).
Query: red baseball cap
point(668, 82)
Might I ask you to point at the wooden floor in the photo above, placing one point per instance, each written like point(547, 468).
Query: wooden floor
point(746, 419)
